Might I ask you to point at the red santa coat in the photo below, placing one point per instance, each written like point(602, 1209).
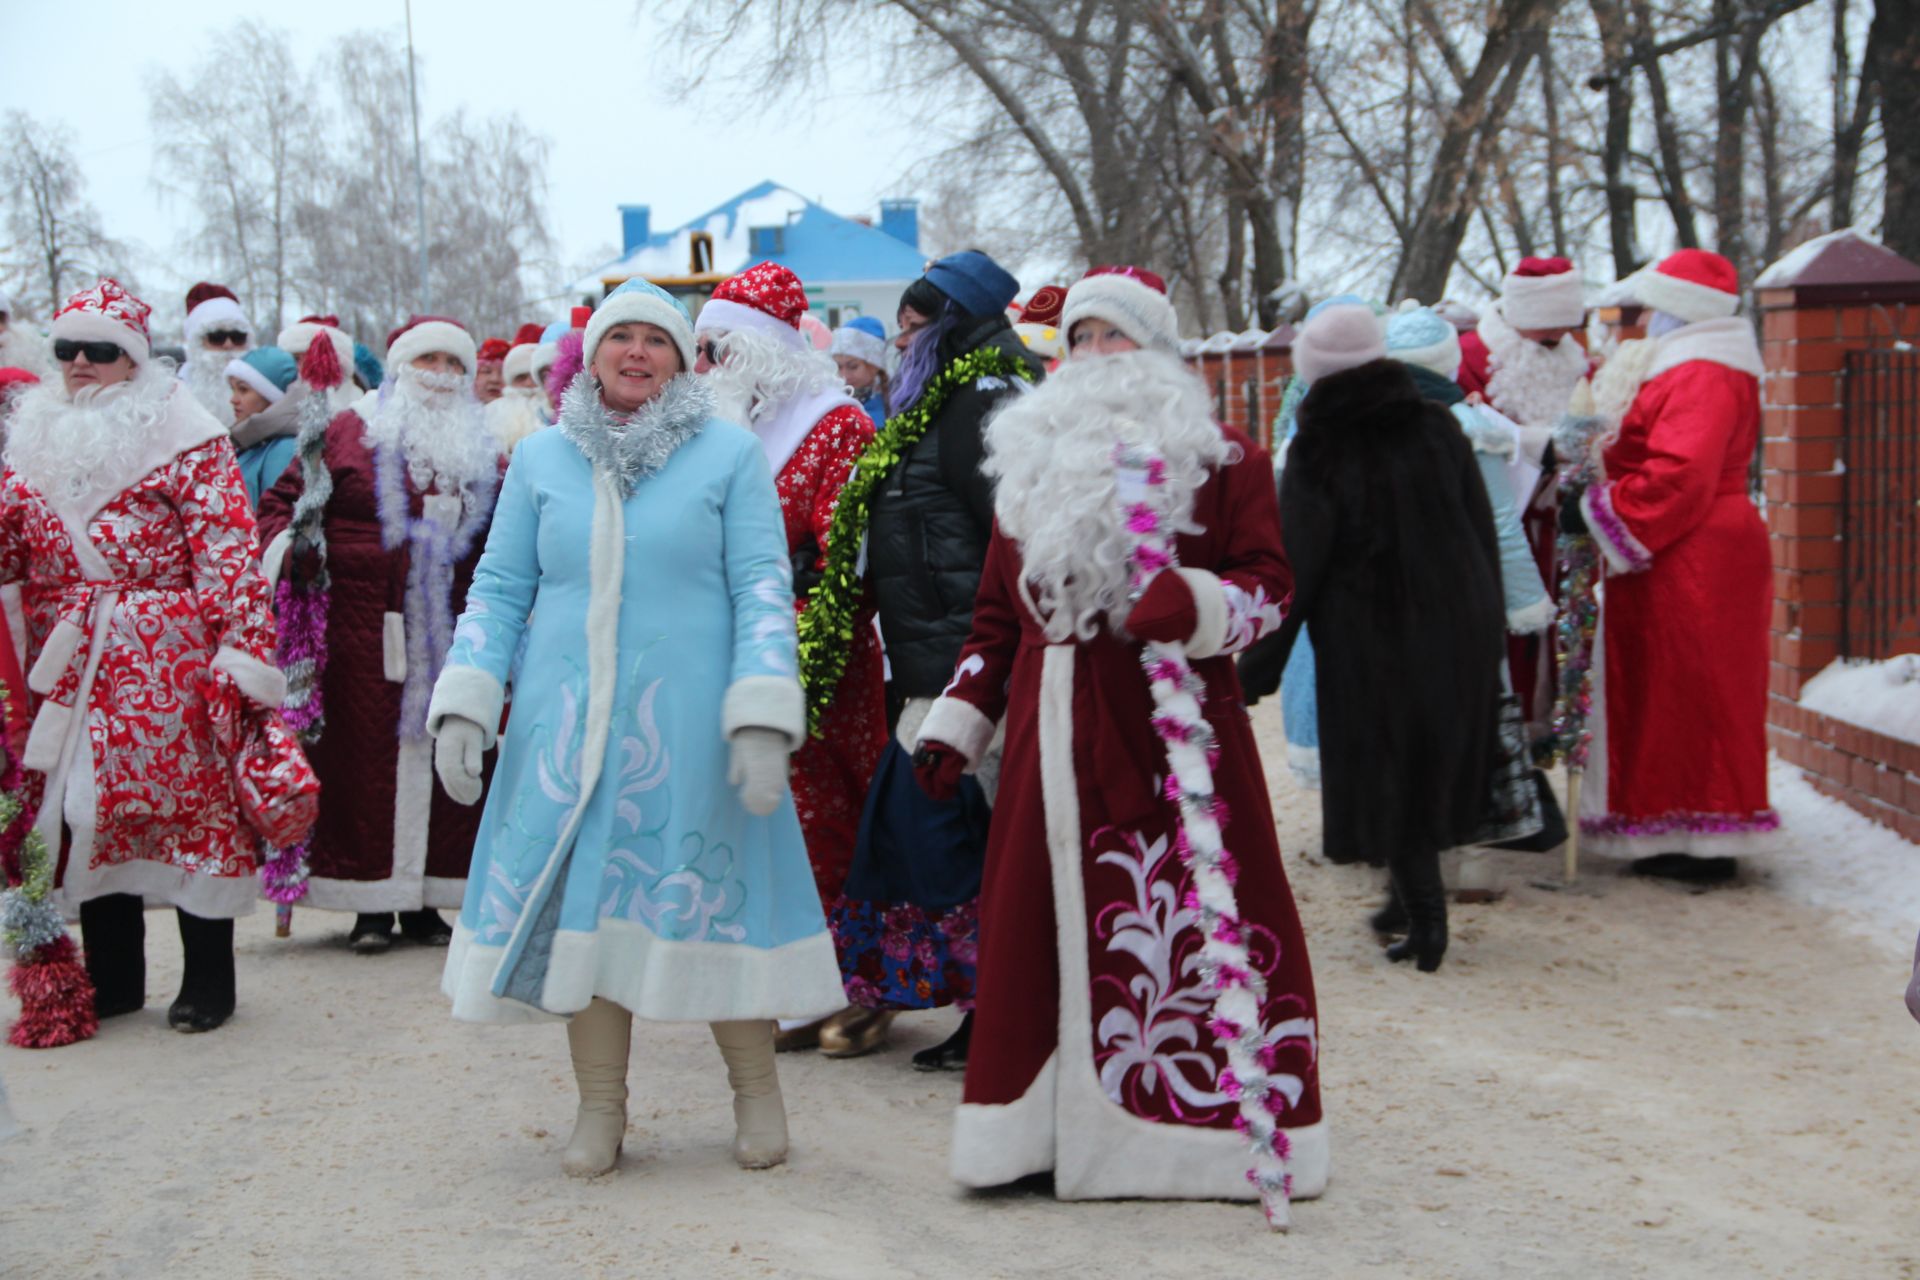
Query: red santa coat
point(1091, 1056)
point(388, 838)
point(148, 623)
point(831, 772)
point(1679, 758)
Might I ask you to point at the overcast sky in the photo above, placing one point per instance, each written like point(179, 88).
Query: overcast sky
point(590, 77)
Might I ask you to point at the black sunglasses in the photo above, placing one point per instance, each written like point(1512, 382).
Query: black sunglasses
point(710, 350)
point(225, 338)
point(65, 349)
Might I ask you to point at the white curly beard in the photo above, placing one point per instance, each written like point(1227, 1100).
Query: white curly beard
point(758, 376)
point(517, 414)
point(436, 424)
point(1050, 452)
point(205, 374)
point(58, 444)
point(1530, 383)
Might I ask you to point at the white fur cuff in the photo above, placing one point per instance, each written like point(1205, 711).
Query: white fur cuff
point(766, 702)
point(1537, 616)
point(393, 647)
point(48, 737)
point(274, 561)
point(960, 725)
point(1210, 600)
point(259, 680)
point(471, 694)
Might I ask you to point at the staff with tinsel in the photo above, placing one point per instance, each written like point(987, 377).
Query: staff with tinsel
point(1577, 628)
point(47, 976)
point(1237, 986)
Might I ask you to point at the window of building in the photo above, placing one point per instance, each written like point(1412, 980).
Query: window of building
point(766, 242)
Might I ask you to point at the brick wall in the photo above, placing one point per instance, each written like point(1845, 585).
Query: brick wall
point(1808, 324)
point(1227, 375)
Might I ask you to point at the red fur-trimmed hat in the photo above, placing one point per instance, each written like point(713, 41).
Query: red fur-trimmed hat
point(1692, 284)
point(492, 351)
point(1131, 299)
point(766, 298)
point(1543, 293)
point(106, 313)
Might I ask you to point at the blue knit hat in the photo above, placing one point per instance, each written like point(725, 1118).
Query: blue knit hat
point(268, 370)
point(977, 284)
point(863, 338)
point(641, 302)
point(1420, 335)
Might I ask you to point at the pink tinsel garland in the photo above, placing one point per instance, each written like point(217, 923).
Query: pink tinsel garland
point(1238, 986)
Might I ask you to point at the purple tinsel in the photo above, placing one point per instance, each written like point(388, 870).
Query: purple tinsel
point(1608, 524)
point(1699, 824)
point(302, 654)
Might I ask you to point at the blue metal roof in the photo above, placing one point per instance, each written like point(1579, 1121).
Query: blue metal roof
point(820, 246)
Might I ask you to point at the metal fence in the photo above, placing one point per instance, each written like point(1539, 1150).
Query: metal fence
point(1880, 505)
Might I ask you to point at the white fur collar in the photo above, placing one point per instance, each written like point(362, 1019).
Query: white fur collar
point(782, 433)
point(1727, 341)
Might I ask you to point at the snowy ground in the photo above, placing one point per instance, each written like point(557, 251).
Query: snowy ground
point(1624, 1079)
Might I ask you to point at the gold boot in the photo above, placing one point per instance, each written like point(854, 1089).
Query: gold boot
point(855, 1032)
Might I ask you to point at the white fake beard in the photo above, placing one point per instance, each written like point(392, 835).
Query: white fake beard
point(1530, 383)
point(760, 374)
point(517, 414)
point(1050, 452)
point(58, 444)
point(205, 374)
point(435, 423)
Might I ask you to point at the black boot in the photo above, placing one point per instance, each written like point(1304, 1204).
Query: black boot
point(1686, 867)
point(113, 931)
point(206, 988)
point(1390, 921)
point(372, 934)
point(950, 1054)
point(425, 927)
point(1417, 883)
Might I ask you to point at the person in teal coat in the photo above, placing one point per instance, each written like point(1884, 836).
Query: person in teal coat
point(639, 854)
point(266, 416)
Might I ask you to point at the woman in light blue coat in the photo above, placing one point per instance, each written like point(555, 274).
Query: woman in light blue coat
point(639, 853)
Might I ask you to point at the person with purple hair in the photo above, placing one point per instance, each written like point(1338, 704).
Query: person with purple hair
point(907, 920)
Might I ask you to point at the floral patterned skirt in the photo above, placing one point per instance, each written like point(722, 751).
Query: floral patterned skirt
point(907, 925)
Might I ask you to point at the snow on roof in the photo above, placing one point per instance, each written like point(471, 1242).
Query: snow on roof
point(819, 246)
point(1881, 696)
point(1783, 273)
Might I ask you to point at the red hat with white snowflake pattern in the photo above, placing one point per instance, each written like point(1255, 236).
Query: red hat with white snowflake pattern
point(765, 298)
point(105, 313)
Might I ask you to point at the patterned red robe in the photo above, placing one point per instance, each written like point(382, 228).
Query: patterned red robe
point(1090, 1053)
point(389, 837)
point(831, 772)
point(1679, 756)
point(148, 623)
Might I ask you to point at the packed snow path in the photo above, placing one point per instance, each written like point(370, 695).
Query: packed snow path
point(1628, 1080)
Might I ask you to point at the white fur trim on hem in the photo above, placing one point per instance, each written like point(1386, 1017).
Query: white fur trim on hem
point(998, 1143)
point(391, 894)
point(260, 681)
point(56, 655)
point(1210, 602)
point(1704, 844)
point(652, 977)
point(960, 725)
point(274, 560)
point(471, 694)
point(163, 885)
point(765, 702)
point(1529, 619)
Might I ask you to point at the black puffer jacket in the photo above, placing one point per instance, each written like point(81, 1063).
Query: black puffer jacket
point(932, 516)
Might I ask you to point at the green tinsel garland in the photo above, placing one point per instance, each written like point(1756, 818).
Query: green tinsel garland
point(826, 625)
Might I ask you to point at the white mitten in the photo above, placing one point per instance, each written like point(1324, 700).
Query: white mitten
point(458, 750)
point(759, 768)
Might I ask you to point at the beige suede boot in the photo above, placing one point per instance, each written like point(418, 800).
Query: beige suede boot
point(759, 1114)
point(599, 1036)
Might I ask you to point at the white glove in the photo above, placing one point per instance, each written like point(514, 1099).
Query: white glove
point(759, 768)
point(458, 747)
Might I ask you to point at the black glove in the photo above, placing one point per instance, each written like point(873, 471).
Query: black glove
point(1549, 460)
point(1573, 521)
point(805, 576)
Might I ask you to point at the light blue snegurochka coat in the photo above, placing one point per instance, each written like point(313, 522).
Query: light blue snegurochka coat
point(614, 858)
